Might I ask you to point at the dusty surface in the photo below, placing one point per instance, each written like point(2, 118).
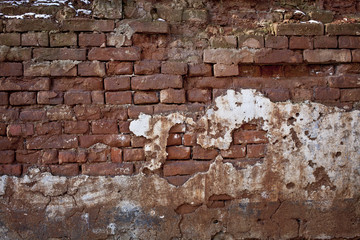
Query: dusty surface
point(307, 186)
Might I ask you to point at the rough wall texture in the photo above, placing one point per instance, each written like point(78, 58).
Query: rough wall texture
point(179, 119)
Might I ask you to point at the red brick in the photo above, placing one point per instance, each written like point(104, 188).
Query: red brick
point(277, 94)
point(204, 154)
point(177, 180)
point(166, 109)
point(49, 157)
point(87, 112)
point(300, 29)
point(93, 68)
point(24, 156)
point(79, 127)
point(63, 39)
point(121, 54)
point(22, 98)
point(91, 39)
point(241, 137)
point(174, 68)
point(344, 81)
point(113, 140)
point(119, 68)
point(174, 139)
point(118, 40)
point(118, 113)
point(274, 71)
point(15, 54)
point(325, 93)
point(107, 169)
point(198, 70)
point(296, 70)
point(50, 97)
point(276, 42)
point(48, 128)
point(222, 70)
point(78, 83)
point(116, 155)
point(156, 82)
point(10, 39)
point(33, 115)
point(97, 97)
point(59, 112)
point(172, 96)
point(11, 143)
point(65, 170)
point(256, 151)
point(104, 126)
point(98, 154)
point(77, 97)
point(327, 55)
point(11, 170)
point(249, 71)
point(223, 42)
point(178, 128)
point(25, 84)
point(343, 28)
point(118, 97)
point(178, 152)
point(2, 129)
point(7, 156)
point(134, 111)
point(117, 83)
point(38, 39)
point(355, 55)
point(185, 167)
point(149, 27)
point(124, 126)
point(10, 69)
point(350, 95)
point(55, 68)
point(199, 95)
point(270, 56)
point(189, 139)
point(325, 42)
point(20, 130)
point(138, 141)
point(59, 54)
point(251, 41)
point(301, 43)
point(27, 25)
point(235, 151)
point(349, 42)
point(4, 98)
point(147, 67)
point(301, 94)
point(145, 97)
point(52, 141)
point(321, 70)
point(134, 154)
point(228, 56)
point(88, 25)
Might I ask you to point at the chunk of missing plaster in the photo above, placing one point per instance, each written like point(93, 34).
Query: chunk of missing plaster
point(186, 208)
point(107, 9)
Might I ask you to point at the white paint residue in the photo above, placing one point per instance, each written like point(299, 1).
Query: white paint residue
point(141, 126)
point(3, 182)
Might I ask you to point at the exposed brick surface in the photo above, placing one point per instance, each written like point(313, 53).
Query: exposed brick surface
point(122, 54)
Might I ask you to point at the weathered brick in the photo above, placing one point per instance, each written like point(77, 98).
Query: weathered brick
point(199, 95)
point(25, 84)
point(300, 94)
point(65, 170)
point(350, 95)
point(98, 154)
point(14, 143)
point(11, 170)
point(115, 112)
point(134, 111)
point(277, 94)
point(272, 71)
point(178, 128)
point(326, 93)
point(121, 54)
point(235, 151)
point(48, 128)
point(223, 42)
point(4, 98)
point(156, 82)
point(172, 96)
point(147, 67)
point(97, 97)
point(343, 28)
point(88, 25)
point(325, 42)
point(178, 152)
point(209, 82)
point(32, 69)
point(10, 69)
point(204, 154)
point(117, 83)
point(300, 43)
point(74, 97)
point(38, 39)
point(355, 55)
point(104, 126)
point(344, 81)
point(201, 69)
point(149, 27)
point(134, 154)
point(138, 141)
point(119, 68)
point(14, 54)
point(185, 167)
point(91, 39)
point(321, 70)
point(349, 42)
point(245, 137)
point(296, 70)
point(77, 83)
point(50, 97)
point(249, 71)
point(189, 139)
point(32, 115)
point(124, 127)
point(175, 68)
point(256, 151)
point(327, 55)
point(70, 156)
point(300, 29)
point(118, 40)
point(228, 56)
point(278, 56)
point(20, 130)
point(22, 98)
point(59, 54)
point(166, 108)
point(7, 156)
point(174, 139)
point(55, 68)
point(27, 25)
point(52, 141)
point(49, 156)
point(63, 39)
point(107, 169)
point(118, 97)
point(276, 42)
point(2, 129)
point(322, 16)
point(223, 70)
point(10, 39)
point(177, 180)
point(116, 155)
point(79, 127)
point(25, 156)
point(93, 68)
point(59, 112)
point(145, 97)
point(251, 41)
point(195, 15)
